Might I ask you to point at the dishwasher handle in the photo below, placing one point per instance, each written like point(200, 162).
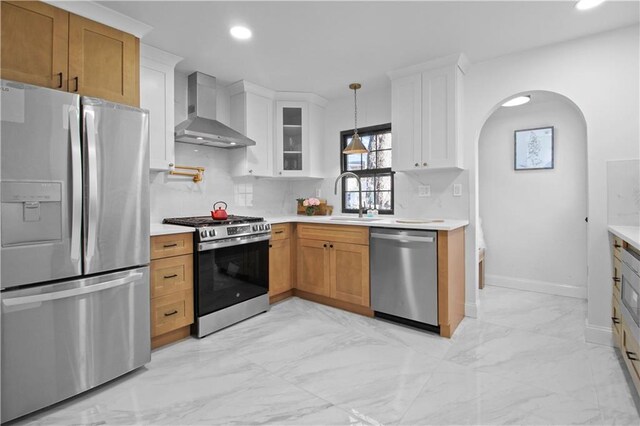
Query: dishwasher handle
point(403, 238)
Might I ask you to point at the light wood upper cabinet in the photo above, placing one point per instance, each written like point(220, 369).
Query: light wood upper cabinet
point(350, 273)
point(103, 62)
point(157, 95)
point(425, 108)
point(34, 44)
point(313, 267)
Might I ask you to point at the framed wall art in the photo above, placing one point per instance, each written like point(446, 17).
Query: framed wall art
point(533, 149)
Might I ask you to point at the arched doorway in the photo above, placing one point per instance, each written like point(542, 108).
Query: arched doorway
point(532, 206)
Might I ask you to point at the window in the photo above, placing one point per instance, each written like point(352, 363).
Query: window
point(373, 168)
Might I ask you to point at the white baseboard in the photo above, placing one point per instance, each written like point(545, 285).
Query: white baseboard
point(471, 310)
point(537, 286)
point(598, 335)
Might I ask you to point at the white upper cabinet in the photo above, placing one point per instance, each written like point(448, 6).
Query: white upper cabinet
point(299, 134)
point(425, 109)
point(252, 115)
point(287, 127)
point(156, 95)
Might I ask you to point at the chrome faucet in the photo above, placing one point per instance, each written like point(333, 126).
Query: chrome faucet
point(345, 174)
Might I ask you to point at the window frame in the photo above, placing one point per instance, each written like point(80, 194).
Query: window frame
point(344, 135)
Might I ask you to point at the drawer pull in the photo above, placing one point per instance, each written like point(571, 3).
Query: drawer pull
point(270, 246)
point(166, 277)
point(616, 279)
point(59, 80)
point(632, 356)
point(279, 232)
point(76, 80)
point(617, 245)
point(170, 313)
point(170, 245)
point(615, 320)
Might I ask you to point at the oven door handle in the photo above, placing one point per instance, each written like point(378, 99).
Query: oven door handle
point(233, 242)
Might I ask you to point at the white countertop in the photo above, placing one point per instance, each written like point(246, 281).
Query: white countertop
point(630, 234)
point(383, 222)
point(164, 229)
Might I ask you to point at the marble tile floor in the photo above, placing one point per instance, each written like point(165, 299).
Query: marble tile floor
point(523, 361)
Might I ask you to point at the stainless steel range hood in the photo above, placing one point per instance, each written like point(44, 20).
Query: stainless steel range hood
point(201, 126)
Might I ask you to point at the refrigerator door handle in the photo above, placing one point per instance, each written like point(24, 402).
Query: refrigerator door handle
point(46, 297)
point(93, 182)
point(76, 184)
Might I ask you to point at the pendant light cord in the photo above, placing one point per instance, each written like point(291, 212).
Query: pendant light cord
point(355, 102)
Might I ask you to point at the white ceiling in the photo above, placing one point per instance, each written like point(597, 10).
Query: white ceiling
point(323, 46)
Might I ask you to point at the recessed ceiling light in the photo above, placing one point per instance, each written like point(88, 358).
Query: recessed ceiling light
point(518, 100)
point(232, 143)
point(588, 4)
point(241, 33)
point(199, 138)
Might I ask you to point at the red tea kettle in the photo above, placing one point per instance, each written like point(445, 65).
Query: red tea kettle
point(219, 213)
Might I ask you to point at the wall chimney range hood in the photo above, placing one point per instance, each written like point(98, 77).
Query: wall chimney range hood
point(201, 126)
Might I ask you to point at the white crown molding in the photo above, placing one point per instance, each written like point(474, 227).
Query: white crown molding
point(458, 59)
point(157, 55)
point(99, 13)
point(302, 96)
point(247, 86)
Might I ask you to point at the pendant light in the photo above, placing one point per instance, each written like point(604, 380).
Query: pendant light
point(355, 146)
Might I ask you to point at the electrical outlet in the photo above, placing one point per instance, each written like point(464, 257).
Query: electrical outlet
point(318, 192)
point(457, 190)
point(424, 190)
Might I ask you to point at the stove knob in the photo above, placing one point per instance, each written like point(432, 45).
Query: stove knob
point(255, 227)
point(262, 227)
point(212, 233)
point(268, 226)
point(203, 234)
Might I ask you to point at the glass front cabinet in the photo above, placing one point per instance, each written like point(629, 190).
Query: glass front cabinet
point(292, 140)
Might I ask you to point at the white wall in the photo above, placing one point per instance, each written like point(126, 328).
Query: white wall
point(179, 196)
point(374, 107)
point(600, 75)
point(623, 192)
point(533, 221)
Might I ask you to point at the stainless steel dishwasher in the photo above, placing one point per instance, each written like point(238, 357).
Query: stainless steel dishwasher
point(404, 276)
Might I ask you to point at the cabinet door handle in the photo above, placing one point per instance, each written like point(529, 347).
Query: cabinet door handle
point(170, 245)
point(168, 314)
point(270, 246)
point(59, 80)
point(331, 246)
point(424, 164)
point(616, 279)
point(166, 277)
point(324, 245)
point(615, 320)
point(632, 356)
point(417, 164)
point(76, 80)
point(617, 245)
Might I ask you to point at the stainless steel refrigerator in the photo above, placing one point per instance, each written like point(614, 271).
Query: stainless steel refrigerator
point(75, 244)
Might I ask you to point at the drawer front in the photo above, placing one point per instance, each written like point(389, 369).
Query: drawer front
point(617, 277)
point(171, 245)
point(171, 274)
point(280, 231)
point(631, 355)
point(616, 320)
point(335, 233)
point(617, 246)
point(171, 312)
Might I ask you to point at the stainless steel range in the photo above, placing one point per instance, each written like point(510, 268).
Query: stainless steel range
point(231, 269)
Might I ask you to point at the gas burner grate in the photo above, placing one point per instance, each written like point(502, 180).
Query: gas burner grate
point(200, 221)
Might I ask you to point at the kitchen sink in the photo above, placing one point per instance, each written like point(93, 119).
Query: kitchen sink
point(355, 219)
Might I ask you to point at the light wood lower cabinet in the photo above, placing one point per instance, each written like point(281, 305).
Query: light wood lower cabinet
point(171, 288)
point(314, 267)
point(349, 273)
point(279, 267)
point(630, 351)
